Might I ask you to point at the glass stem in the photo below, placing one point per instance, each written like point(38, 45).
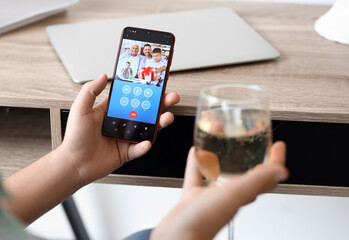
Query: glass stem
point(230, 230)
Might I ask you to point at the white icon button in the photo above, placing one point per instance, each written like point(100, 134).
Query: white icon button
point(124, 101)
point(145, 104)
point(148, 92)
point(135, 103)
point(137, 91)
point(126, 89)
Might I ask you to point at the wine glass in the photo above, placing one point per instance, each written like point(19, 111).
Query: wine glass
point(232, 131)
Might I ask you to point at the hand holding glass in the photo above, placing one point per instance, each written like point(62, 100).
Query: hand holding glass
point(232, 130)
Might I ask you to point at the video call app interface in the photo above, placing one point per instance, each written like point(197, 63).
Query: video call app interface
point(139, 81)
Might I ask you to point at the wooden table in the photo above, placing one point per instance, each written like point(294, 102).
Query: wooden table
point(309, 82)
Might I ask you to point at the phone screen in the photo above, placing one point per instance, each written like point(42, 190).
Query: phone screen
point(138, 85)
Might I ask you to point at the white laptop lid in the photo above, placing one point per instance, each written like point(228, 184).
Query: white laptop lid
point(17, 13)
point(204, 38)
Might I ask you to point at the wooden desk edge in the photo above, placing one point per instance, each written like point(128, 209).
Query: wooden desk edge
point(56, 127)
point(142, 181)
point(312, 190)
point(181, 110)
point(178, 183)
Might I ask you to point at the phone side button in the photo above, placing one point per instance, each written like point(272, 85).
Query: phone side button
point(172, 58)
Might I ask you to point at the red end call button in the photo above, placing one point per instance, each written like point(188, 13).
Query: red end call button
point(133, 114)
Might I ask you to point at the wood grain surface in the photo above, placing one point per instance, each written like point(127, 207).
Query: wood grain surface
point(56, 127)
point(309, 82)
point(24, 138)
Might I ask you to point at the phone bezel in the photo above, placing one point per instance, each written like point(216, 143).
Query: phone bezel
point(141, 34)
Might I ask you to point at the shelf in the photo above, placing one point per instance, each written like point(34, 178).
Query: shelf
point(24, 137)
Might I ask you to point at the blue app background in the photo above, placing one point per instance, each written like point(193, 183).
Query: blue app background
point(123, 101)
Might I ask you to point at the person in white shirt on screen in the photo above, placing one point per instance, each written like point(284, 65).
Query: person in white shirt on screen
point(133, 56)
point(158, 76)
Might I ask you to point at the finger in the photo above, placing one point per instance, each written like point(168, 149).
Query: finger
point(88, 93)
point(138, 150)
point(192, 176)
point(171, 99)
point(165, 120)
point(277, 153)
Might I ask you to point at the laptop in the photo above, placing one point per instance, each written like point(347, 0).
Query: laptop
point(204, 38)
point(18, 13)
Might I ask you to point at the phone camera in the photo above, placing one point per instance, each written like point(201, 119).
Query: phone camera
point(148, 32)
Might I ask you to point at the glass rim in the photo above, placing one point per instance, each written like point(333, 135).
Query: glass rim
point(263, 97)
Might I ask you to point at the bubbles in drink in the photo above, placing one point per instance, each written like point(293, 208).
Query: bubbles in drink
point(231, 142)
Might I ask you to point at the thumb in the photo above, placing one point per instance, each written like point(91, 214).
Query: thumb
point(192, 176)
point(257, 181)
point(138, 150)
point(88, 93)
point(264, 178)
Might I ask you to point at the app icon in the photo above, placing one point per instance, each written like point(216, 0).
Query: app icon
point(137, 91)
point(135, 103)
point(126, 89)
point(124, 101)
point(145, 104)
point(148, 92)
point(133, 114)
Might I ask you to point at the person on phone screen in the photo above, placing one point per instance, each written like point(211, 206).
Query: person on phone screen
point(126, 72)
point(158, 76)
point(148, 60)
point(85, 155)
point(157, 64)
point(133, 56)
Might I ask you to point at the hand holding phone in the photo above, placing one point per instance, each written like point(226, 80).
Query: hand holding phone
point(137, 89)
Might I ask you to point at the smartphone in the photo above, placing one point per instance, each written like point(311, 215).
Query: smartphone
point(138, 85)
